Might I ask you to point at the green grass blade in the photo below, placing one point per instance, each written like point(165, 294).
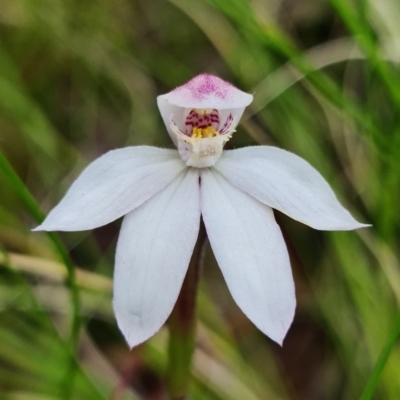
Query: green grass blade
point(361, 31)
point(382, 360)
point(32, 206)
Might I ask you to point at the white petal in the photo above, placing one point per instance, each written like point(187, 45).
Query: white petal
point(288, 183)
point(153, 254)
point(168, 111)
point(204, 92)
point(111, 186)
point(251, 253)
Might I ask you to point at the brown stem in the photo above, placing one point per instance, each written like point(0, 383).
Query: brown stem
point(182, 324)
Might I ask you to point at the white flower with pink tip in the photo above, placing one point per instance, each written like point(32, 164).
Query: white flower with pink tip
point(163, 193)
point(201, 117)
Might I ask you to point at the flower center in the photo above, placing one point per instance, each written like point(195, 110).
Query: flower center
point(201, 142)
point(202, 123)
point(200, 133)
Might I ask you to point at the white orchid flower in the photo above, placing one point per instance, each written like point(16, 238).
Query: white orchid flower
point(163, 193)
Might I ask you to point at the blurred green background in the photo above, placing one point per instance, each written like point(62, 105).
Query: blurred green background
point(78, 78)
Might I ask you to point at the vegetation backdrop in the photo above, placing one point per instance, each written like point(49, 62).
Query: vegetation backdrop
point(78, 78)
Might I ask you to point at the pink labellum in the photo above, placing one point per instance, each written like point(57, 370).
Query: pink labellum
point(207, 91)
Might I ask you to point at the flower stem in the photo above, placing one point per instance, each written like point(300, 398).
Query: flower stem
point(182, 325)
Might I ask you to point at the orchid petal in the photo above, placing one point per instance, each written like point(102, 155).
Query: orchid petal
point(286, 182)
point(153, 253)
point(113, 185)
point(251, 253)
point(207, 91)
point(169, 111)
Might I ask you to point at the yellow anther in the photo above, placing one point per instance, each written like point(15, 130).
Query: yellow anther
point(208, 132)
point(197, 133)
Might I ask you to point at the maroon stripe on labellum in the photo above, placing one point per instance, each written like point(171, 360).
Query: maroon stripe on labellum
point(196, 120)
point(227, 125)
point(214, 118)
